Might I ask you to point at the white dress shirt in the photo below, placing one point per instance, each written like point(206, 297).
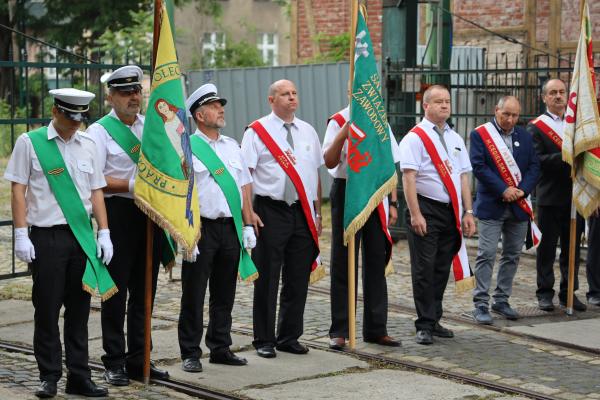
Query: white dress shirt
point(268, 177)
point(81, 160)
point(556, 123)
point(213, 203)
point(341, 170)
point(413, 155)
point(113, 160)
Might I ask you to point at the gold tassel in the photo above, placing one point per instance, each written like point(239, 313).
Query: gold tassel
point(464, 285)
point(251, 278)
point(109, 293)
point(317, 274)
point(371, 205)
point(389, 268)
point(165, 225)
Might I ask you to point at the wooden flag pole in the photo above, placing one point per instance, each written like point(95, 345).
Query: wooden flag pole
point(351, 242)
point(572, 242)
point(150, 229)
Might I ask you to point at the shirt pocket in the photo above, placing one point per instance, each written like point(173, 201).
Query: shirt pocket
point(200, 170)
point(113, 148)
point(235, 168)
point(36, 168)
point(83, 175)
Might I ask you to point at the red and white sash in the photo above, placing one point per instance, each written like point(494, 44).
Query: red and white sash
point(383, 207)
point(317, 270)
point(509, 170)
point(543, 123)
point(460, 264)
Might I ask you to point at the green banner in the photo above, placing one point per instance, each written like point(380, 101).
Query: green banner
point(371, 168)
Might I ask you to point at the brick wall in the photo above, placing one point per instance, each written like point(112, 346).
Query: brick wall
point(503, 14)
point(332, 17)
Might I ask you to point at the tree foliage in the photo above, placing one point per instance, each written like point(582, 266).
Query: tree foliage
point(235, 54)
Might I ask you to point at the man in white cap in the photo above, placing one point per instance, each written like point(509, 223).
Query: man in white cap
point(222, 178)
point(118, 136)
point(284, 155)
point(56, 184)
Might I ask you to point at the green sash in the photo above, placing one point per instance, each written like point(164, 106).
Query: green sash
point(96, 275)
point(221, 175)
point(131, 145)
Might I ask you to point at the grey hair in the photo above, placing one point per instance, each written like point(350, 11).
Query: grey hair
point(504, 99)
point(545, 85)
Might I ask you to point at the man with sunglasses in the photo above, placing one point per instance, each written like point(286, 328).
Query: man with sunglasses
point(118, 137)
point(56, 184)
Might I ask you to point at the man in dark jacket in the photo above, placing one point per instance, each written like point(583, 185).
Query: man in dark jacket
point(507, 168)
point(553, 193)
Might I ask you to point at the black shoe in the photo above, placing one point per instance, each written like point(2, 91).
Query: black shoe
point(545, 304)
point(85, 387)
point(577, 304)
point(191, 364)
point(46, 390)
point(294, 348)
point(384, 341)
point(137, 372)
point(116, 376)
point(504, 309)
point(266, 352)
point(424, 337)
point(440, 331)
point(227, 358)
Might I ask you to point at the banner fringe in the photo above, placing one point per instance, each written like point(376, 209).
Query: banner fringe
point(377, 197)
point(250, 278)
point(465, 284)
point(317, 274)
point(109, 293)
point(389, 268)
point(164, 224)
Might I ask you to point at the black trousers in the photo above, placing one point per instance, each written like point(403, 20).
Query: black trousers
point(218, 264)
point(57, 271)
point(127, 224)
point(285, 248)
point(430, 260)
point(375, 253)
point(555, 223)
point(593, 258)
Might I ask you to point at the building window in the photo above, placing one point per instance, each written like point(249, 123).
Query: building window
point(268, 46)
point(211, 42)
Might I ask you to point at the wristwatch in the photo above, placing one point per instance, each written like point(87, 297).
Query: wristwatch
point(395, 204)
point(468, 211)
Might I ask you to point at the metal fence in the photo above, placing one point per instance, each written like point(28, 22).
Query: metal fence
point(476, 82)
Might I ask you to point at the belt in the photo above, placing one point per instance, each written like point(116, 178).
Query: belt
point(62, 227)
point(220, 220)
point(434, 202)
point(279, 203)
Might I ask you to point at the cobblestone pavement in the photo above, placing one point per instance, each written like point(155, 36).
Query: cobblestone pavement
point(474, 351)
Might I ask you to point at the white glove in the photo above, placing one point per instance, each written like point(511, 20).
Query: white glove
point(104, 246)
point(248, 237)
point(195, 255)
point(24, 249)
point(131, 184)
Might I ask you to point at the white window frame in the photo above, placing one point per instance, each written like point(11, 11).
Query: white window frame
point(209, 47)
point(264, 47)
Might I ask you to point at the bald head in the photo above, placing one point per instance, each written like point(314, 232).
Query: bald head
point(283, 99)
point(507, 112)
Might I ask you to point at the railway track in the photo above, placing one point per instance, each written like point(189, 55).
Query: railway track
point(196, 391)
point(469, 321)
point(407, 365)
